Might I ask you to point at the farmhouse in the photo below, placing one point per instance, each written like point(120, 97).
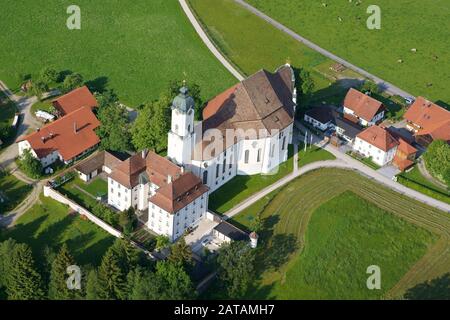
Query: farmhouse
point(428, 122)
point(246, 130)
point(74, 100)
point(65, 139)
point(383, 146)
point(325, 117)
point(377, 143)
point(362, 108)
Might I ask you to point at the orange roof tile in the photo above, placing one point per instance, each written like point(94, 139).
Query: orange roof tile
point(405, 147)
point(362, 105)
point(75, 99)
point(179, 193)
point(378, 137)
point(70, 135)
point(431, 118)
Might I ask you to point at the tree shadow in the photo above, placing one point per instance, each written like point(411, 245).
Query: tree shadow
point(99, 84)
point(62, 75)
point(279, 250)
point(436, 289)
point(443, 104)
point(94, 253)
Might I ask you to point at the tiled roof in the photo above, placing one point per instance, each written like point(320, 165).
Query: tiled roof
point(431, 118)
point(362, 105)
point(70, 135)
point(127, 173)
point(103, 158)
point(378, 137)
point(232, 232)
point(179, 193)
point(72, 101)
point(262, 101)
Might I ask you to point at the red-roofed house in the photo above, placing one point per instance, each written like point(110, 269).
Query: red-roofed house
point(379, 144)
point(428, 121)
point(74, 100)
point(65, 139)
point(364, 109)
point(175, 200)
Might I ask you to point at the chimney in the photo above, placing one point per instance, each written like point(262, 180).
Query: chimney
point(144, 153)
point(169, 179)
point(75, 127)
point(182, 169)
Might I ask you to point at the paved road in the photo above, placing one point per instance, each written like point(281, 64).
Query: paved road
point(383, 84)
point(342, 161)
point(208, 42)
point(28, 122)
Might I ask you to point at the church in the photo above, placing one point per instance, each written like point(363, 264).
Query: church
point(245, 130)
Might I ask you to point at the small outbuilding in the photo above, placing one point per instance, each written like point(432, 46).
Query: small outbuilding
point(226, 232)
point(104, 161)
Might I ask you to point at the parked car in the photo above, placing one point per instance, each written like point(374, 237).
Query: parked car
point(206, 241)
point(409, 100)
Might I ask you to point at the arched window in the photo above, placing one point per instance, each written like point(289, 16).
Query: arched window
point(189, 128)
point(217, 170)
point(259, 155)
point(224, 165)
point(247, 155)
point(205, 177)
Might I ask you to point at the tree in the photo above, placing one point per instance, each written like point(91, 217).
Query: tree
point(370, 86)
point(48, 76)
point(437, 160)
point(128, 221)
point(92, 286)
point(176, 283)
point(181, 253)
point(111, 279)
point(152, 124)
point(38, 88)
point(58, 289)
point(114, 130)
point(306, 82)
point(72, 81)
point(162, 242)
point(23, 282)
point(127, 255)
point(194, 92)
point(30, 165)
point(236, 267)
point(257, 223)
point(6, 247)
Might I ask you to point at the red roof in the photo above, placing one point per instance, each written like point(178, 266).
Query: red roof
point(378, 137)
point(70, 135)
point(74, 100)
point(431, 118)
point(362, 105)
point(214, 105)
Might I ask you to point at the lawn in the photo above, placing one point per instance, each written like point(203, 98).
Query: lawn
point(403, 27)
point(133, 47)
point(322, 230)
point(312, 154)
point(86, 196)
point(14, 190)
point(97, 187)
point(252, 44)
point(49, 224)
point(367, 161)
point(241, 187)
point(414, 180)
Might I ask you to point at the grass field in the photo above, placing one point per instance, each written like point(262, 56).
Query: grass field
point(48, 224)
point(325, 228)
point(14, 190)
point(86, 199)
point(312, 154)
point(133, 47)
point(97, 187)
point(405, 25)
point(415, 180)
point(241, 187)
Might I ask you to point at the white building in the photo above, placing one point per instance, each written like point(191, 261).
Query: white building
point(376, 143)
point(364, 109)
point(252, 125)
point(246, 130)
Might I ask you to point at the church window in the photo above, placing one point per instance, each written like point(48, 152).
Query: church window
point(247, 155)
point(259, 155)
point(217, 170)
point(205, 177)
point(224, 165)
point(284, 143)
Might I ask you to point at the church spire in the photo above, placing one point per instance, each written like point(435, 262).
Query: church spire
point(183, 101)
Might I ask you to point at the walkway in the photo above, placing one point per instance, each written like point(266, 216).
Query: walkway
point(208, 42)
point(383, 84)
point(424, 171)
